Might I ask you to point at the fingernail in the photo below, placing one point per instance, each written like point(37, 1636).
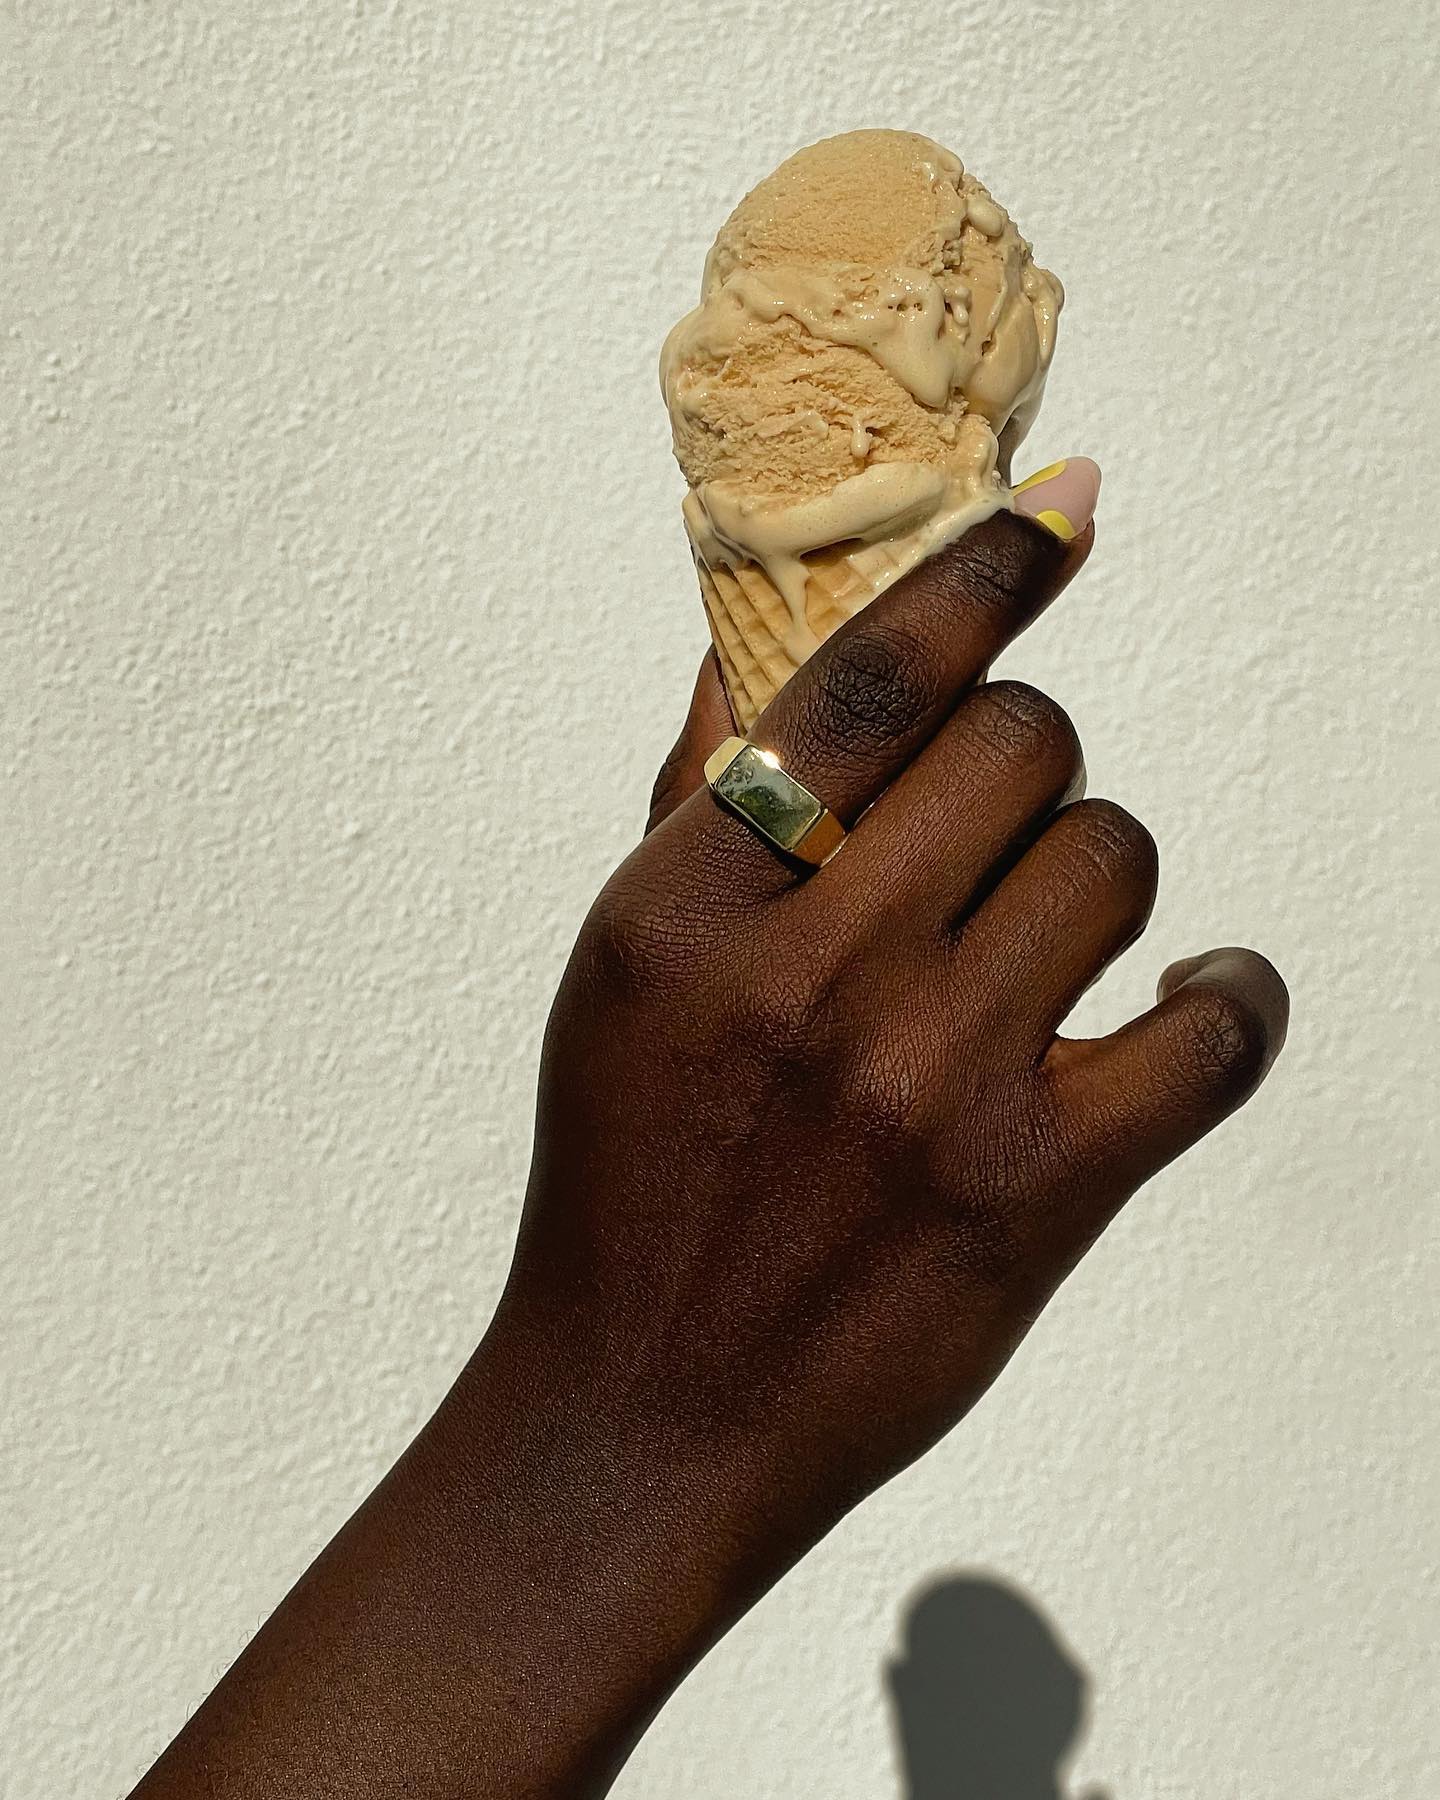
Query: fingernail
point(1061, 498)
point(1224, 965)
point(1178, 974)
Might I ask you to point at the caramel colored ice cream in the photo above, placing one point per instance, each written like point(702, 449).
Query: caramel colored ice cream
point(870, 322)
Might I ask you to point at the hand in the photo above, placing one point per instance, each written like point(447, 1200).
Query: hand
point(810, 1155)
point(809, 1159)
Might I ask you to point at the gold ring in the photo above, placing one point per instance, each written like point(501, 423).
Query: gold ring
point(781, 811)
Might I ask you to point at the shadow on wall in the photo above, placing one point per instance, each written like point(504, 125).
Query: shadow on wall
point(989, 1704)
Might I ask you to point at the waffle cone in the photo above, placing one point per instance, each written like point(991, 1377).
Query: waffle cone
point(751, 623)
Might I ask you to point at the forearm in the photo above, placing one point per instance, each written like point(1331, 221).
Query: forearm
point(502, 1616)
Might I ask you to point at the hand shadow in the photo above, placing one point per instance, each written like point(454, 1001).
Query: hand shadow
point(988, 1702)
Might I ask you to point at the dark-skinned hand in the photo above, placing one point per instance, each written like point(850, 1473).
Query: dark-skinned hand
point(810, 1158)
point(811, 1155)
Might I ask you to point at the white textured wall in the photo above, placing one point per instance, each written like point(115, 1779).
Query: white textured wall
point(336, 661)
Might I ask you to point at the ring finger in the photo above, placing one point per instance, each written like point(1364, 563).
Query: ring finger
point(966, 808)
point(1078, 897)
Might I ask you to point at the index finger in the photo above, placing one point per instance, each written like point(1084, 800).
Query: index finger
point(877, 691)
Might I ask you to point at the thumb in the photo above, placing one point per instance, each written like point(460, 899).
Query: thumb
point(708, 723)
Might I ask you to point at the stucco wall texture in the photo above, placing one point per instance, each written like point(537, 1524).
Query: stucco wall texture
point(347, 612)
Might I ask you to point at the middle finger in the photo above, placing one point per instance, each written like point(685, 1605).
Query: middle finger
point(974, 799)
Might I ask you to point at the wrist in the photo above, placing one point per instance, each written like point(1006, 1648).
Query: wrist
point(502, 1617)
point(622, 1545)
point(566, 1439)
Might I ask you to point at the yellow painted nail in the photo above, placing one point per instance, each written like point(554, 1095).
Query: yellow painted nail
point(1041, 475)
point(1061, 498)
point(1056, 522)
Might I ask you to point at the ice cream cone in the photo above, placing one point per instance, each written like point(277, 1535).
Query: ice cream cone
point(751, 623)
point(870, 323)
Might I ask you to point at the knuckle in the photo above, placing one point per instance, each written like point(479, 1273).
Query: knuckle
point(667, 791)
point(881, 1100)
point(614, 937)
point(997, 1212)
point(1029, 724)
point(1113, 845)
point(784, 1013)
point(987, 1243)
point(788, 1005)
point(871, 687)
point(995, 567)
point(633, 939)
point(985, 1224)
point(882, 1090)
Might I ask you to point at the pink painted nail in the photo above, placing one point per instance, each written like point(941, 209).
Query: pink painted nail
point(1061, 498)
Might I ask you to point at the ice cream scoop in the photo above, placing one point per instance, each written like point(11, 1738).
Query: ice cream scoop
point(870, 324)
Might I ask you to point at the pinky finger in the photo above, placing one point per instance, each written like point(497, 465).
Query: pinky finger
point(1141, 1096)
